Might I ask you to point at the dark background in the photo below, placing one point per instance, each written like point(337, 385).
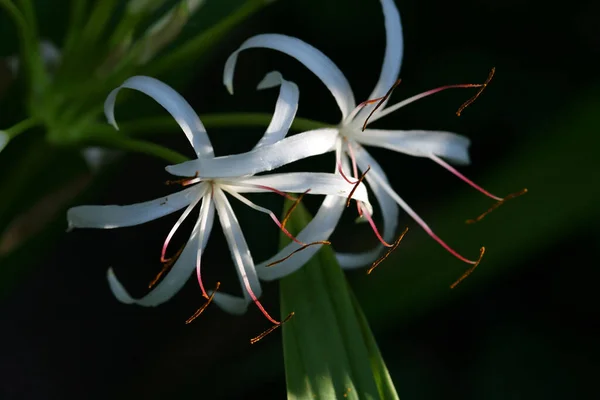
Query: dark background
point(522, 326)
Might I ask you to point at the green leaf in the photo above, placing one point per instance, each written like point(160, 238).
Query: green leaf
point(329, 349)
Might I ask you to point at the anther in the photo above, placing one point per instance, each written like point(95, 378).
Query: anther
point(203, 307)
point(498, 204)
point(323, 242)
point(387, 253)
point(167, 264)
point(472, 99)
point(381, 101)
point(271, 329)
point(292, 208)
point(470, 270)
point(362, 177)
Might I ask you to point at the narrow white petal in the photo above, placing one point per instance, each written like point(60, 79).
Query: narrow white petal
point(232, 304)
point(312, 58)
point(108, 217)
point(240, 253)
point(266, 158)
point(298, 182)
point(181, 270)
point(389, 212)
point(319, 228)
point(3, 140)
point(173, 102)
point(285, 108)
point(394, 48)
point(448, 145)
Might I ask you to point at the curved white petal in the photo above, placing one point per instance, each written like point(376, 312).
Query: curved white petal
point(173, 102)
point(265, 158)
point(448, 145)
point(232, 304)
point(389, 212)
point(312, 58)
point(3, 139)
point(319, 228)
point(299, 182)
point(285, 108)
point(240, 253)
point(181, 270)
point(394, 48)
point(109, 217)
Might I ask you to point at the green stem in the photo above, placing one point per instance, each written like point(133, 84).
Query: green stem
point(200, 43)
point(145, 126)
point(21, 127)
point(137, 145)
point(30, 54)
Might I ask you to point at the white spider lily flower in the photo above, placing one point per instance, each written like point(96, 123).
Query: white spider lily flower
point(347, 139)
point(210, 194)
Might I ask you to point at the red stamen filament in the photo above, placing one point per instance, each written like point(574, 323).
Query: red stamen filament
point(387, 253)
point(292, 208)
point(468, 272)
point(419, 96)
point(367, 215)
point(464, 178)
point(279, 192)
point(269, 212)
point(166, 267)
point(199, 311)
point(420, 221)
point(344, 175)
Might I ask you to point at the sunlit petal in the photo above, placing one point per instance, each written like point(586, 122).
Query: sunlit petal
point(108, 217)
point(312, 58)
point(266, 158)
point(240, 253)
point(389, 212)
point(299, 182)
point(179, 273)
point(448, 145)
point(318, 229)
point(285, 109)
point(173, 102)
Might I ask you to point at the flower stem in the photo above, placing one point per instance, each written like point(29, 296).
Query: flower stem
point(200, 43)
point(137, 145)
point(21, 127)
point(147, 126)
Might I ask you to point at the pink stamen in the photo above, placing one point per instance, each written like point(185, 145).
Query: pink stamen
point(279, 192)
point(412, 99)
point(344, 175)
point(284, 230)
point(464, 178)
point(257, 302)
point(367, 215)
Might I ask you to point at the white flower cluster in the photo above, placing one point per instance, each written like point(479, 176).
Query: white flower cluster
point(211, 179)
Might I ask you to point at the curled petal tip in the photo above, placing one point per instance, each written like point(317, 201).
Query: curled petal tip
point(272, 79)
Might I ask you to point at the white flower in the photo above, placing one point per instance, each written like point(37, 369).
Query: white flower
point(347, 139)
point(210, 194)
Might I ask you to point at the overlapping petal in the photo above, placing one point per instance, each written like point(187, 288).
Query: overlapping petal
point(109, 217)
point(285, 108)
point(173, 102)
point(265, 158)
point(448, 145)
point(240, 253)
point(394, 49)
point(389, 212)
point(312, 58)
point(181, 270)
point(319, 228)
point(298, 182)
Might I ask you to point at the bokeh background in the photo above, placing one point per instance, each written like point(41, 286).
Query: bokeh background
point(522, 326)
